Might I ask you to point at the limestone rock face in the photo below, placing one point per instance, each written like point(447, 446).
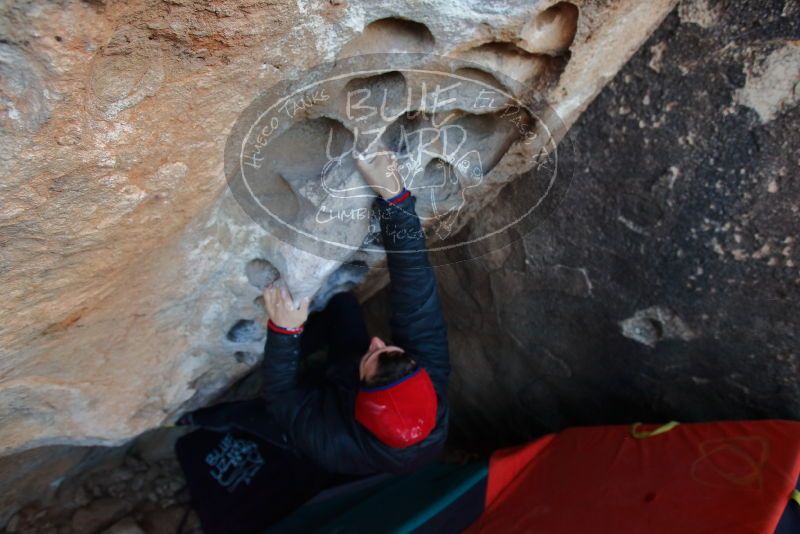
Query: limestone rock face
point(130, 273)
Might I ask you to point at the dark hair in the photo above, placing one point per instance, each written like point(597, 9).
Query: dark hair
point(392, 365)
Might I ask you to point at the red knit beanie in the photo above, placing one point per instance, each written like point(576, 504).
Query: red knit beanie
point(401, 413)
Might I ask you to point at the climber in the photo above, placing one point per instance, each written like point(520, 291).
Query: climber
point(378, 407)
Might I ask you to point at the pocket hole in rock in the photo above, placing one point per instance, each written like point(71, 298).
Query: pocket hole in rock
point(390, 35)
point(518, 64)
point(274, 191)
point(493, 134)
point(481, 76)
point(301, 152)
point(261, 273)
point(486, 136)
point(552, 31)
point(307, 155)
point(246, 331)
point(414, 136)
point(396, 136)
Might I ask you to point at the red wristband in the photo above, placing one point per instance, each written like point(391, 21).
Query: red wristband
point(281, 330)
point(398, 198)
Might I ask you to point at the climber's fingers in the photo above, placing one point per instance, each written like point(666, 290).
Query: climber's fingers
point(269, 296)
point(286, 299)
point(382, 173)
point(304, 304)
point(273, 300)
point(278, 299)
point(375, 161)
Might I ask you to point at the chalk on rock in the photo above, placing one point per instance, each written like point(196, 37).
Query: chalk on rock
point(261, 273)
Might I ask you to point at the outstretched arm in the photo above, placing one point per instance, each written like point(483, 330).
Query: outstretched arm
point(311, 418)
point(417, 321)
point(282, 351)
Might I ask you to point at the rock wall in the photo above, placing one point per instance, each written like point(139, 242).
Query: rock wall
point(667, 284)
point(129, 270)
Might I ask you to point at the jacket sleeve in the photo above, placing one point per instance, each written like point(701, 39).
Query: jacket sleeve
point(311, 418)
point(417, 321)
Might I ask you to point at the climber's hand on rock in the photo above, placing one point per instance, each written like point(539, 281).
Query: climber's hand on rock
point(379, 169)
point(282, 309)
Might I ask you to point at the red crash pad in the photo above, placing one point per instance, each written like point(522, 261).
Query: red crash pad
point(726, 477)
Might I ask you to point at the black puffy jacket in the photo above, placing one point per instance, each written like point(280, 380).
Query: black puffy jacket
point(319, 422)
